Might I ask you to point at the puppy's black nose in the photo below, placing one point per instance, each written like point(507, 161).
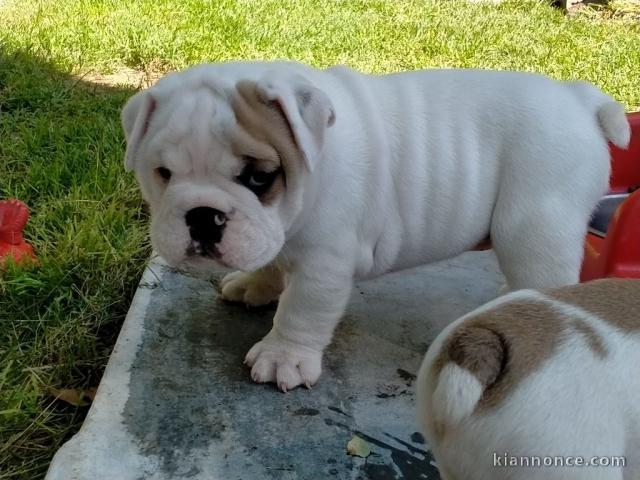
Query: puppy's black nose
point(205, 224)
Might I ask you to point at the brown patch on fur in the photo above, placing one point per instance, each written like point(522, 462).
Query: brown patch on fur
point(504, 345)
point(614, 300)
point(479, 350)
point(264, 134)
point(593, 339)
point(526, 331)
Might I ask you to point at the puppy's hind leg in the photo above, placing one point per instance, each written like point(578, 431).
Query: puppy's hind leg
point(255, 289)
point(539, 246)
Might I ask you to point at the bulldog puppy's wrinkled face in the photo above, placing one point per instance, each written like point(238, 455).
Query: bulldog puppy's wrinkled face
point(222, 166)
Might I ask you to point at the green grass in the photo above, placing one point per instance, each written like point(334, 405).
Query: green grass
point(60, 151)
point(61, 146)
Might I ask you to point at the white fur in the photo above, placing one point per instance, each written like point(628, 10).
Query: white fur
point(400, 170)
point(456, 395)
point(576, 404)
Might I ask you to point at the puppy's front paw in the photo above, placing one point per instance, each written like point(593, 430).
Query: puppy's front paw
point(288, 364)
point(254, 288)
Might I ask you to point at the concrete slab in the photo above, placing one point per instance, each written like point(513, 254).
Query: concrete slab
point(176, 401)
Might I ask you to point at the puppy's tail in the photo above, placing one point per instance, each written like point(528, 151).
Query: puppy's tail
point(611, 116)
point(472, 360)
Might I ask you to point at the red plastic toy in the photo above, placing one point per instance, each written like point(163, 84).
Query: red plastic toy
point(13, 217)
point(612, 247)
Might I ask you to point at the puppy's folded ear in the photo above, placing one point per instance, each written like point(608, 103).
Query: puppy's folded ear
point(136, 116)
point(307, 110)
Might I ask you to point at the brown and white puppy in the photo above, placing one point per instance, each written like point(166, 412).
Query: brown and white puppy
point(538, 385)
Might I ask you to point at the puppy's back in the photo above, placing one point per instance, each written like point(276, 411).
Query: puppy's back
point(476, 366)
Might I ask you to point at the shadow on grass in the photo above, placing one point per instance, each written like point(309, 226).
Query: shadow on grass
point(61, 152)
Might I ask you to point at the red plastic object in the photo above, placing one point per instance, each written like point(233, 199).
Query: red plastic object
point(617, 254)
point(13, 217)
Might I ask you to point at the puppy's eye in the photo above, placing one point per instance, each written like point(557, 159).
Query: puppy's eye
point(164, 174)
point(258, 181)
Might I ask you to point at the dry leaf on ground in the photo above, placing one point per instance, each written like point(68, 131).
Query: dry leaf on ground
point(358, 447)
point(74, 396)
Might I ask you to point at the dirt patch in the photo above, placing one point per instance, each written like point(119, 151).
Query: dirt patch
point(124, 77)
point(603, 9)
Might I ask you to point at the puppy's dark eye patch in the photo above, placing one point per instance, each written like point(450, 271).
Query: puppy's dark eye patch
point(258, 181)
point(164, 174)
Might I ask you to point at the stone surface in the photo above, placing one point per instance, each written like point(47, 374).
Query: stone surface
point(177, 402)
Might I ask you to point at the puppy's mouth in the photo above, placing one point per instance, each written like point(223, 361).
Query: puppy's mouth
point(203, 249)
point(198, 252)
point(199, 255)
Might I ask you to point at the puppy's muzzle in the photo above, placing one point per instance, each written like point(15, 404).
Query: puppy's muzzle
point(206, 225)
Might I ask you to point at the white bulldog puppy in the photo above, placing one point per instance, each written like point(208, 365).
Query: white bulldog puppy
point(307, 179)
point(538, 385)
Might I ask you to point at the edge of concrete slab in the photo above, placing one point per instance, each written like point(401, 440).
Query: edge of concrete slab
point(72, 461)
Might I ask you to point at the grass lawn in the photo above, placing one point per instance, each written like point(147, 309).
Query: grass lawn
point(61, 147)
